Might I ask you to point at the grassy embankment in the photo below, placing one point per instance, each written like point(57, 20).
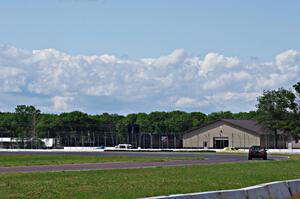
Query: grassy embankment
point(134, 183)
point(27, 160)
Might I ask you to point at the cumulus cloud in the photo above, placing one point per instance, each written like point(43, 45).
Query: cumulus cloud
point(213, 61)
point(288, 61)
point(176, 57)
point(60, 103)
point(103, 90)
point(233, 101)
point(11, 79)
point(227, 78)
point(95, 83)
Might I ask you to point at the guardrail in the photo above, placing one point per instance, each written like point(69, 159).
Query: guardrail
point(276, 190)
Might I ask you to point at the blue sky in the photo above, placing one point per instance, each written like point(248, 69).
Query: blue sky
point(62, 55)
point(137, 28)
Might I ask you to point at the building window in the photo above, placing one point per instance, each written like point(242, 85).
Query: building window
point(205, 144)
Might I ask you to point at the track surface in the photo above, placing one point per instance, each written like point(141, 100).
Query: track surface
point(210, 158)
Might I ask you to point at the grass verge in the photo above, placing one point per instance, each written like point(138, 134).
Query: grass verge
point(133, 183)
point(27, 160)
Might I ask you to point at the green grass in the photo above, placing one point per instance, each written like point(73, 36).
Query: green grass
point(27, 160)
point(291, 156)
point(133, 183)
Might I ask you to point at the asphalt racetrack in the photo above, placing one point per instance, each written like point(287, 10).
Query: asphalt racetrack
point(210, 158)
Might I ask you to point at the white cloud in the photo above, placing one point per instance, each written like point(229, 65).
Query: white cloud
point(177, 56)
point(287, 60)
point(105, 82)
point(275, 80)
point(233, 101)
point(229, 96)
point(11, 79)
point(213, 61)
point(188, 102)
point(103, 90)
point(9, 72)
point(185, 101)
point(226, 78)
point(60, 103)
point(12, 53)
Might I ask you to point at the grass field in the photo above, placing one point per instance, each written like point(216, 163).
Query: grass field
point(26, 160)
point(134, 183)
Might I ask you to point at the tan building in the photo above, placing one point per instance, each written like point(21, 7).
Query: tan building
point(233, 133)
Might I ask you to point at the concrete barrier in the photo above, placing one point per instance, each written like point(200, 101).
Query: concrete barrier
point(294, 186)
point(256, 192)
point(200, 195)
point(205, 195)
point(280, 190)
point(233, 194)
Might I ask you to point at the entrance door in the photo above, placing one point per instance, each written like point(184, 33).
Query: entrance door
point(220, 142)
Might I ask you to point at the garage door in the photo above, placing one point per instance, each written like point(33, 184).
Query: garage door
point(220, 142)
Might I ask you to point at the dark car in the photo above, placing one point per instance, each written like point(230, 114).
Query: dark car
point(58, 147)
point(101, 147)
point(257, 152)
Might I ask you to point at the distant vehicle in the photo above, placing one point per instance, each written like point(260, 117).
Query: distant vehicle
point(123, 146)
point(257, 152)
point(101, 147)
point(58, 147)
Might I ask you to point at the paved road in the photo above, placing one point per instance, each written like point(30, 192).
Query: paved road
point(210, 158)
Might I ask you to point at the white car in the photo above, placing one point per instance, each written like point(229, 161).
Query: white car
point(123, 146)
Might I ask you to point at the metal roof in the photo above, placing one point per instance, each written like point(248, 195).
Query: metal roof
point(249, 125)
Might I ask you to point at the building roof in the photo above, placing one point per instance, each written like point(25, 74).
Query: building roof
point(249, 125)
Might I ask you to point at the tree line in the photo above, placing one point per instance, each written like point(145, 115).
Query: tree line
point(276, 109)
point(27, 121)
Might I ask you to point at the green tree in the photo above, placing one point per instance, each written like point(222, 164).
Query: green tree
point(296, 120)
point(245, 115)
point(219, 115)
point(198, 118)
point(48, 125)
point(26, 120)
point(142, 119)
point(297, 88)
point(7, 125)
point(109, 123)
point(178, 122)
point(275, 110)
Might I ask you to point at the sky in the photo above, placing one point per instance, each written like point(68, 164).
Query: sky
point(132, 56)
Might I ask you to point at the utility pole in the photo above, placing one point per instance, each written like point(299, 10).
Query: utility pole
point(93, 138)
point(33, 135)
point(132, 131)
point(174, 139)
point(151, 143)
